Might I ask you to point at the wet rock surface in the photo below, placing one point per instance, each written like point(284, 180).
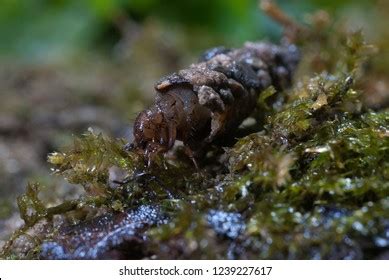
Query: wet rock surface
point(111, 236)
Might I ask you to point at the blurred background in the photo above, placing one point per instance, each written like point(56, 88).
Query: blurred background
point(68, 65)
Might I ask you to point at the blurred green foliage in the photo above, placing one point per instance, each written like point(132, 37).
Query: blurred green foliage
point(40, 30)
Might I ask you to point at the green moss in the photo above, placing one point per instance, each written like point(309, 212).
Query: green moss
point(88, 160)
point(30, 206)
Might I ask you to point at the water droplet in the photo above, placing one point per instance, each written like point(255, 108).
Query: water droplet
point(381, 242)
point(358, 226)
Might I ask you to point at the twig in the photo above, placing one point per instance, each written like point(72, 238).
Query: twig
point(292, 29)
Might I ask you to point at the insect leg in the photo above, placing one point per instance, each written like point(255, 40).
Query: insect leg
point(189, 153)
point(172, 131)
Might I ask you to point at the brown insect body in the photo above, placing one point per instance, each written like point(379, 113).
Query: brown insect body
point(210, 99)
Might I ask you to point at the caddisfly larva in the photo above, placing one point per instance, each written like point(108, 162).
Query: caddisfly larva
point(211, 98)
